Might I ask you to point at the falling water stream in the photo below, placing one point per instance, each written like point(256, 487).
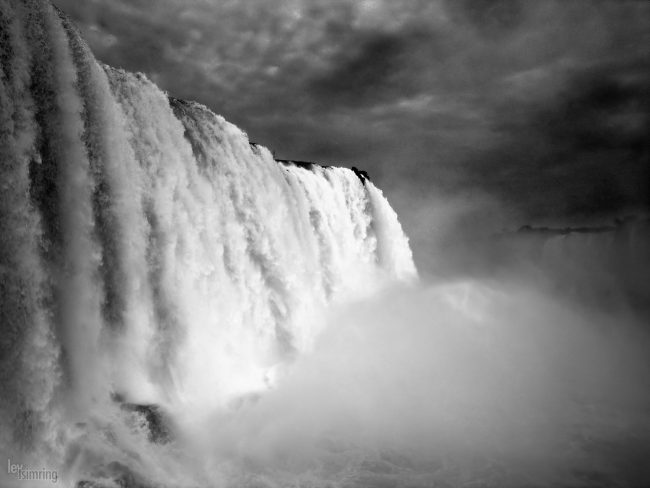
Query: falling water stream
point(179, 309)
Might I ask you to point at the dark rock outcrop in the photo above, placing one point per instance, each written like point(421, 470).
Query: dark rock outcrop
point(156, 421)
point(362, 175)
point(301, 164)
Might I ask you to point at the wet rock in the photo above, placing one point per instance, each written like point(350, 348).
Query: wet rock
point(156, 421)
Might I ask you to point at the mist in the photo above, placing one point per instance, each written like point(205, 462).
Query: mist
point(531, 372)
point(180, 308)
point(455, 382)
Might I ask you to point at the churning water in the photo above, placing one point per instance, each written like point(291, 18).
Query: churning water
point(178, 309)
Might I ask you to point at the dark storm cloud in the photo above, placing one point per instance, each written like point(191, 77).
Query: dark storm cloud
point(587, 149)
point(539, 106)
point(600, 109)
point(370, 72)
point(492, 18)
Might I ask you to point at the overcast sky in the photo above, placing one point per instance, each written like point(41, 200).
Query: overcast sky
point(540, 106)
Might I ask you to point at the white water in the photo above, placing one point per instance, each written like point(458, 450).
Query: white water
point(149, 255)
point(150, 251)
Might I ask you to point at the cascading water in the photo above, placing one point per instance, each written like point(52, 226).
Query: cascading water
point(178, 309)
point(152, 259)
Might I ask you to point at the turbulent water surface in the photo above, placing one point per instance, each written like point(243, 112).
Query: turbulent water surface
point(178, 309)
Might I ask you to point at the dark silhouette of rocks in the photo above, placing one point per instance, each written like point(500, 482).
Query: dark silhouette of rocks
point(618, 224)
point(362, 175)
point(302, 164)
point(155, 419)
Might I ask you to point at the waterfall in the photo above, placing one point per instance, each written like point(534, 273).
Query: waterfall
point(150, 255)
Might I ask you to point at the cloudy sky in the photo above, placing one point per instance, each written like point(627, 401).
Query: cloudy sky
point(541, 108)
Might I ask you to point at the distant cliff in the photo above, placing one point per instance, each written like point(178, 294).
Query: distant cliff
point(611, 261)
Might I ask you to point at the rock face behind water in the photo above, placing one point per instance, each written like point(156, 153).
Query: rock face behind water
point(155, 421)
